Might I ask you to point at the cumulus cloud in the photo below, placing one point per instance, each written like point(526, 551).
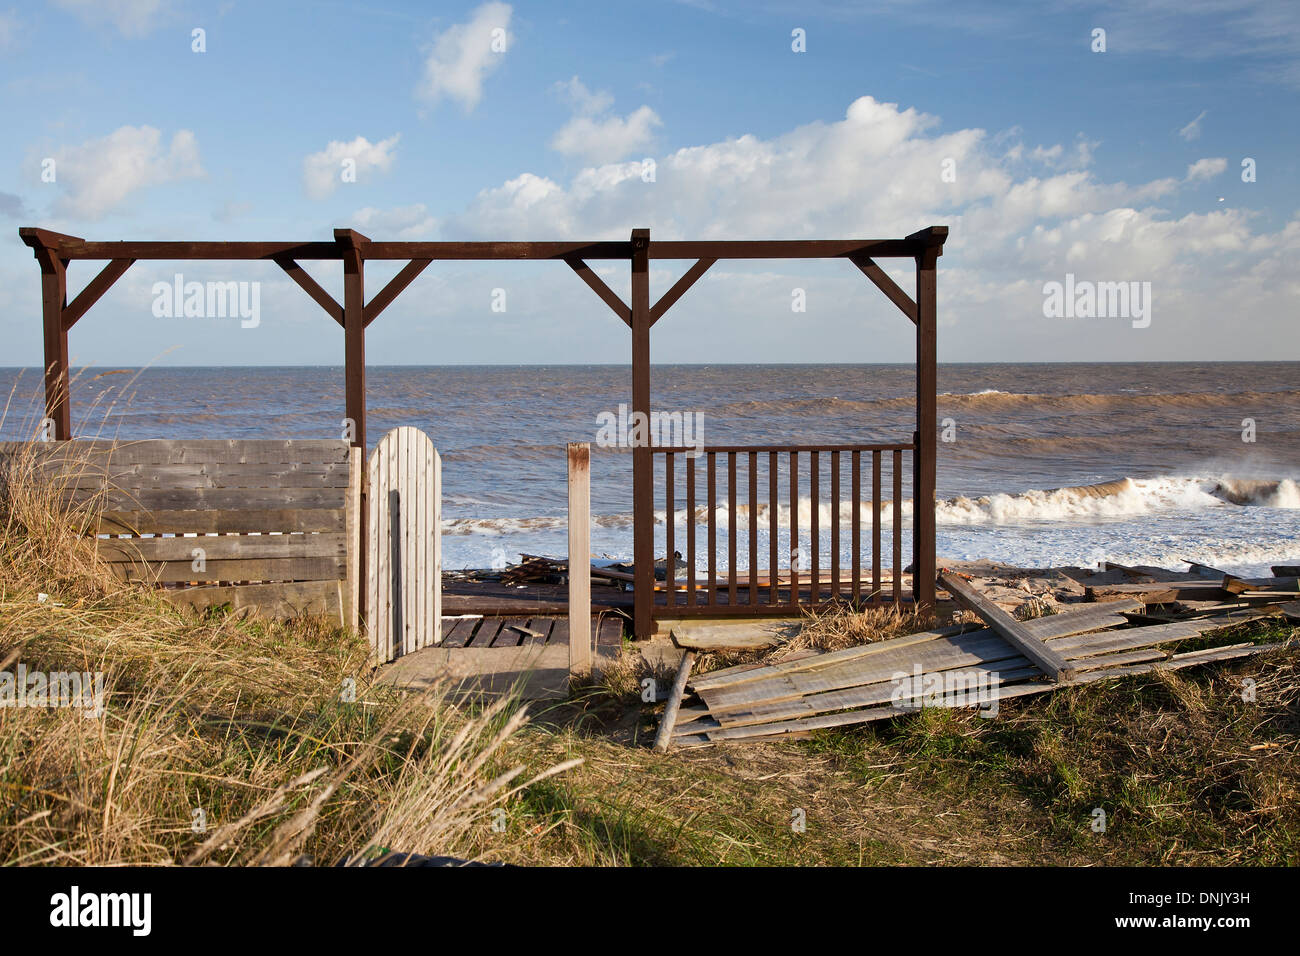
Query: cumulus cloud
point(400, 222)
point(98, 175)
point(323, 172)
point(596, 136)
point(129, 17)
point(879, 172)
point(463, 56)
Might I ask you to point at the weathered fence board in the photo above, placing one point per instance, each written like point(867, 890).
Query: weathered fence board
point(270, 519)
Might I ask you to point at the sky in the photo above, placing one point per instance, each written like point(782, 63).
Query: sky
point(1152, 143)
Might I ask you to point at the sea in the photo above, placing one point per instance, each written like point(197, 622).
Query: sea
point(1039, 464)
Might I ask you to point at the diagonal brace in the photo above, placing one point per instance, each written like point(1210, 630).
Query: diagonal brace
point(598, 286)
point(384, 298)
point(93, 291)
point(679, 289)
point(886, 285)
point(309, 285)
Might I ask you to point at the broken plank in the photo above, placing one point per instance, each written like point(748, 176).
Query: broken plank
point(1166, 592)
point(733, 635)
point(789, 727)
point(664, 736)
point(1033, 647)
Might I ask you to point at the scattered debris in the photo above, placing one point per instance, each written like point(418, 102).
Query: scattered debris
point(1128, 628)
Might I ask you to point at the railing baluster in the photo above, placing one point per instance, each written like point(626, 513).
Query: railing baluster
point(876, 596)
point(774, 596)
point(814, 496)
point(855, 476)
point(835, 526)
point(670, 522)
point(711, 466)
point(690, 531)
point(794, 528)
point(753, 528)
point(898, 526)
point(731, 528)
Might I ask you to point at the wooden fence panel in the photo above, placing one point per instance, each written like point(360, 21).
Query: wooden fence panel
point(259, 525)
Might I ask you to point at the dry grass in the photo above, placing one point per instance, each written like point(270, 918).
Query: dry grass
point(247, 728)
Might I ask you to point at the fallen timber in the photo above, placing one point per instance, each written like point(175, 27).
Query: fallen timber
point(956, 666)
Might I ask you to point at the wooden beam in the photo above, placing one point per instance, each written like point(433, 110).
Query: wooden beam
point(643, 517)
point(886, 285)
point(313, 288)
point(931, 237)
point(598, 286)
point(665, 734)
point(395, 287)
point(1049, 661)
point(679, 289)
point(94, 290)
point(579, 560)
point(71, 247)
point(38, 238)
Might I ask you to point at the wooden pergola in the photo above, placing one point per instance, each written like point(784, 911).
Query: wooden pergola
point(54, 251)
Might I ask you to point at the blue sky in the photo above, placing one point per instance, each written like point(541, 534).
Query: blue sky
point(1123, 165)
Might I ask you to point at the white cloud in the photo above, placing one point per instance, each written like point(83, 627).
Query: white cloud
point(400, 222)
point(324, 172)
point(130, 17)
point(462, 56)
point(594, 135)
point(1204, 169)
point(1193, 129)
point(877, 172)
point(100, 174)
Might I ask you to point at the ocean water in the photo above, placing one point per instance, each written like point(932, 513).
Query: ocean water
point(1047, 463)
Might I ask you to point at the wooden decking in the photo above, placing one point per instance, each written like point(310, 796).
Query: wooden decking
point(491, 654)
point(460, 596)
point(524, 631)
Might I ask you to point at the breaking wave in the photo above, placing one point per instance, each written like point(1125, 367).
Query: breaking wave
point(1109, 499)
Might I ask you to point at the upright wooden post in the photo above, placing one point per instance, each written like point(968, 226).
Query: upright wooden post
point(54, 299)
point(354, 373)
point(643, 542)
point(579, 559)
point(926, 437)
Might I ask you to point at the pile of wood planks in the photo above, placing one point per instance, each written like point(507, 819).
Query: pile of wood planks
point(958, 666)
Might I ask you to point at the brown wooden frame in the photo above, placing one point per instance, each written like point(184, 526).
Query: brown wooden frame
point(54, 251)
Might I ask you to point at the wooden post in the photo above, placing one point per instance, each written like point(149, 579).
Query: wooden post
point(579, 560)
point(354, 370)
point(643, 556)
point(926, 437)
point(54, 299)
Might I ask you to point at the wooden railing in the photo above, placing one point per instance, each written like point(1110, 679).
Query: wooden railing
point(789, 585)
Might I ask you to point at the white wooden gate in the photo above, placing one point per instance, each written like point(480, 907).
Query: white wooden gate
point(404, 559)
